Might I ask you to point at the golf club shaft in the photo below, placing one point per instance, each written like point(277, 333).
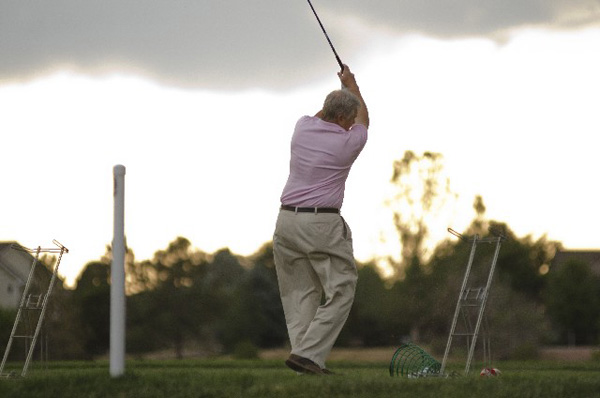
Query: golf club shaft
point(337, 57)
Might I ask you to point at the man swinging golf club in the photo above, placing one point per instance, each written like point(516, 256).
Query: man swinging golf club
point(312, 243)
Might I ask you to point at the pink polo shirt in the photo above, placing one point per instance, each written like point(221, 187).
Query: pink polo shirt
point(322, 154)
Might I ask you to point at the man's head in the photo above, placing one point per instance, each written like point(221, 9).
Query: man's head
point(341, 107)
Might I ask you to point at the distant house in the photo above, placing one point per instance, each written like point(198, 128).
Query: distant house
point(14, 270)
point(591, 257)
point(15, 266)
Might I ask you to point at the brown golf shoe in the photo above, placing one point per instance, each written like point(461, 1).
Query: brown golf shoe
point(303, 365)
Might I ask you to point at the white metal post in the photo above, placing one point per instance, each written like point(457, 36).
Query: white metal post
point(117, 287)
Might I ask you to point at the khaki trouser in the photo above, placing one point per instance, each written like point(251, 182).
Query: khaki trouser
point(313, 255)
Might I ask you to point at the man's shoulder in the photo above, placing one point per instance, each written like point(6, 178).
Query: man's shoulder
point(307, 119)
point(358, 126)
point(359, 129)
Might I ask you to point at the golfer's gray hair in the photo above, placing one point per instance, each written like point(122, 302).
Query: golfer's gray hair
point(340, 103)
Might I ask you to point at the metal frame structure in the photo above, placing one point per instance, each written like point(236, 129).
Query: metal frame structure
point(473, 297)
point(36, 303)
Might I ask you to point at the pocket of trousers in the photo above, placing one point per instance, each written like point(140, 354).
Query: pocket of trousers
point(347, 230)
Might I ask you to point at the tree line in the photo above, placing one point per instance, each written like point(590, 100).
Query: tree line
point(184, 300)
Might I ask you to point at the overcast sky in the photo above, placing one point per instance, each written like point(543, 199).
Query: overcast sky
point(198, 100)
point(233, 44)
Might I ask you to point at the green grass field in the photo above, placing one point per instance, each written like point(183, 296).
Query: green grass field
point(270, 378)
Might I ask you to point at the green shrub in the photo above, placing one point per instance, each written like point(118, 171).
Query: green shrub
point(245, 350)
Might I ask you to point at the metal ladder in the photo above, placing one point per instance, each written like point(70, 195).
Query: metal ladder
point(472, 300)
point(31, 303)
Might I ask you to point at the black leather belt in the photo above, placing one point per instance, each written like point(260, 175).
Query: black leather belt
point(310, 209)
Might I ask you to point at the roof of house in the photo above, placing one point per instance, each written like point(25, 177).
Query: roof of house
point(8, 263)
point(17, 263)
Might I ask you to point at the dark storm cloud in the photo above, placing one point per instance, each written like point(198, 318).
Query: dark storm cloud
point(462, 18)
point(230, 44)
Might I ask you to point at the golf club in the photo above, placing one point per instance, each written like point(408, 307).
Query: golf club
point(339, 61)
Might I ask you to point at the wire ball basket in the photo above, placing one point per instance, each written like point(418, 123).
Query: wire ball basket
point(412, 361)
